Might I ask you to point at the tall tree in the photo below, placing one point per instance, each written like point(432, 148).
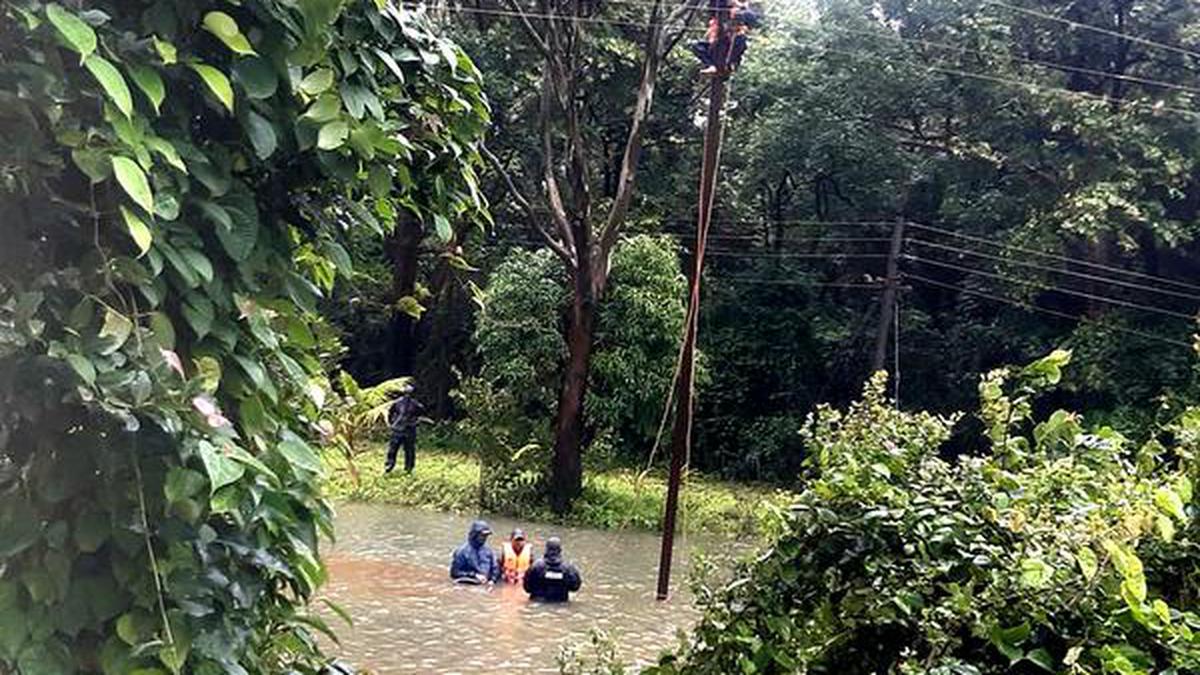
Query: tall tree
point(579, 233)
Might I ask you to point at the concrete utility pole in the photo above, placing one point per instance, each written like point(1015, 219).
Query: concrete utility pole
point(887, 303)
point(681, 429)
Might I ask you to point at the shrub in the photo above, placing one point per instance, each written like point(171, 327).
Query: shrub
point(1060, 549)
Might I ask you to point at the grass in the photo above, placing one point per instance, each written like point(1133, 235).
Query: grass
point(448, 480)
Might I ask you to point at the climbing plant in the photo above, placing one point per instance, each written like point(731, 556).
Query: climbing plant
point(175, 177)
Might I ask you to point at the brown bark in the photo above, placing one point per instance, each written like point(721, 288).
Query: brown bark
point(566, 471)
point(403, 249)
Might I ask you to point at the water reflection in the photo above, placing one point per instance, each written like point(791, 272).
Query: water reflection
point(389, 571)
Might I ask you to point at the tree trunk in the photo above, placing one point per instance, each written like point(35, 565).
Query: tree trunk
point(566, 468)
point(403, 248)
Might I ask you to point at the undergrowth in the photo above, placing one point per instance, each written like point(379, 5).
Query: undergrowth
point(448, 480)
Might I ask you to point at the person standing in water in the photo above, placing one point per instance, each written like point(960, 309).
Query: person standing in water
point(515, 557)
point(402, 420)
point(550, 579)
point(474, 562)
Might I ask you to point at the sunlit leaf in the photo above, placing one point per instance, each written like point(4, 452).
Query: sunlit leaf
point(111, 81)
point(216, 82)
point(226, 29)
point(138, 230)
point(74, 31)
point(133, 181)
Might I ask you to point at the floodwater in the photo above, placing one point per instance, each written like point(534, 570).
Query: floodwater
point(390, 570)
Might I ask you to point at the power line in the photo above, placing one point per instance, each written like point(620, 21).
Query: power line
point(1020, 59)
point(546, 15)
point(1056, 289)
point(1019, 83)
point(788, 256)
point(1097, 29)
point(794, 282)
point(1044, 310)
point(1054, 256)
point(1056, 270)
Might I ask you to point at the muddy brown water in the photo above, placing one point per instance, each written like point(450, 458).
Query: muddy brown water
point(390, 570)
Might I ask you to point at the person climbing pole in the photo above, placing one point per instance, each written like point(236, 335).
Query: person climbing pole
point(402, 420)
point(716, 51)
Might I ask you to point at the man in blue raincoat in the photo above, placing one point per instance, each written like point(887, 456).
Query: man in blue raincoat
point(474, 562)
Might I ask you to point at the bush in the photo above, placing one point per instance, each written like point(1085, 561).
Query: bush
point(1061, 549)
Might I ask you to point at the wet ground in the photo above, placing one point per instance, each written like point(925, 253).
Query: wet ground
point(389, 570)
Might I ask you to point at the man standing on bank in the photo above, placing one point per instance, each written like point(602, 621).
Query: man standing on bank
point(402, 420)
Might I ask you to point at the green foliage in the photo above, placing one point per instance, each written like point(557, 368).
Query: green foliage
point(519, 339)
point(1065, 549)
point(165, 246)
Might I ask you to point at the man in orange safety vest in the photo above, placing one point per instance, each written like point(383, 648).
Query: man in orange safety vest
point(515, 557)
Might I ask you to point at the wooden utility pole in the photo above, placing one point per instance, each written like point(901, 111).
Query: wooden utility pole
point(887, 303)
point(681, 429)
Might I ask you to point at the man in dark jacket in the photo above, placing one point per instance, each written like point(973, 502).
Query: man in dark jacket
point(474, 562)
point(550, 579)
point(402, 420)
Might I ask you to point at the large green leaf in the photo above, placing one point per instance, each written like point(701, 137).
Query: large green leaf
point(239, 237)
point(333, 135)
point(444, 231)
point(51, 657)
point(226, 29)
point(138, 230)
point(115, 331)
point(317, 81)
point(257, 76)
point(298, 453)
point(221, 469)
point(133, 181)
point(148, 80)
point(261, 133)
point(74, 31)
point(216, 82)
point(111, 81)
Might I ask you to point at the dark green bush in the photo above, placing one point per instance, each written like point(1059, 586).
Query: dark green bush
point(1063, 549)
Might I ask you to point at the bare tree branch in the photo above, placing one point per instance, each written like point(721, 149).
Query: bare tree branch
point(562, 222)
point(523, 202)
point(633, 142)
point(534, 35)
point(683, 12)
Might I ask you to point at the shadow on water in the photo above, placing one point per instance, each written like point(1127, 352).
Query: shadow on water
point(389, 570)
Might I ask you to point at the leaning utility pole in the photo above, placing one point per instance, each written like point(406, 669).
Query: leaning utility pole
point(887, 303)
point(681, 429)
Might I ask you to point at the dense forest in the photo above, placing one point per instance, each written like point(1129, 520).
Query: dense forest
point(1044, 175)
point(949, 302)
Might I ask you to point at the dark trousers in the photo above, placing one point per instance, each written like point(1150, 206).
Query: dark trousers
point(409, 440)
point(715, 54)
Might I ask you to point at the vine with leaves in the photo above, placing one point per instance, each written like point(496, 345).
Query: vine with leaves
point(175, 180)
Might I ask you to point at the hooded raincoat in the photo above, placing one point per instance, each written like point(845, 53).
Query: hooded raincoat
point(474, 560)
